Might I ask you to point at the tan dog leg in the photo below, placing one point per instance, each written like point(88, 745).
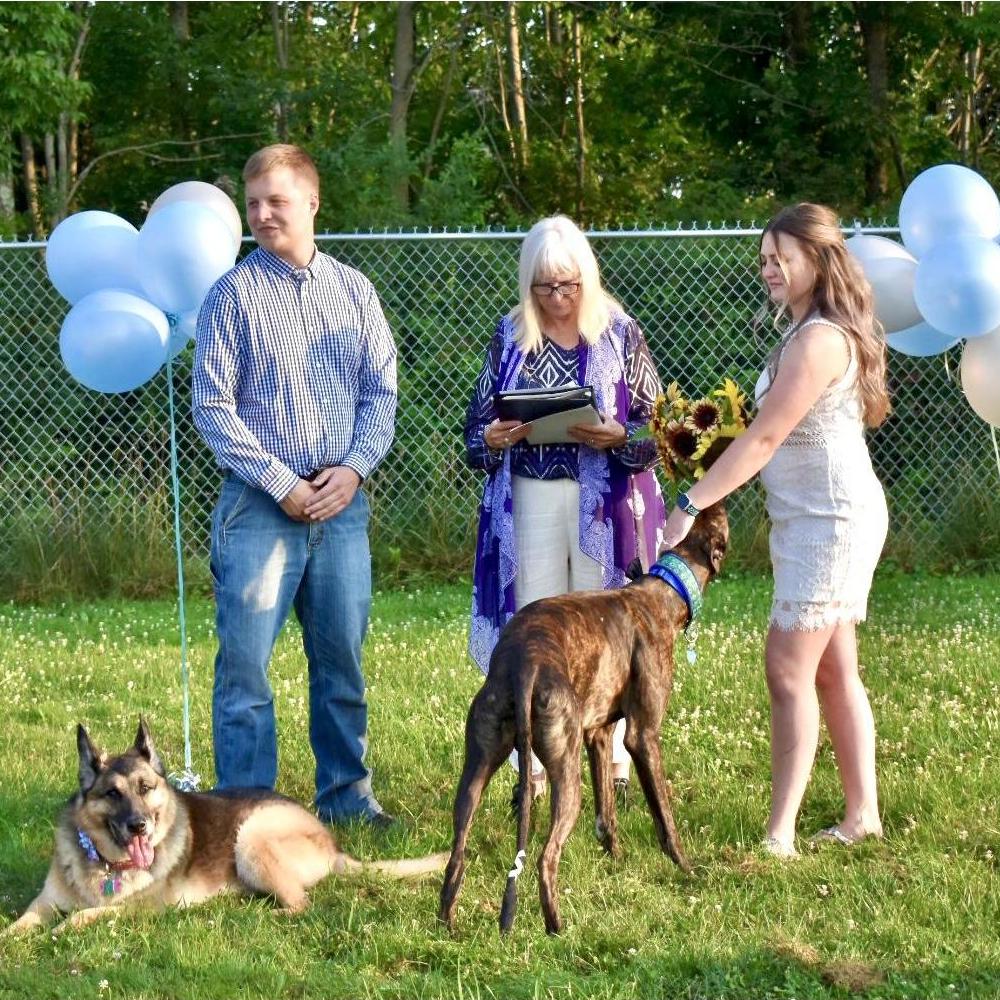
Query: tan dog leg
point(283, 851)
point(44, 908)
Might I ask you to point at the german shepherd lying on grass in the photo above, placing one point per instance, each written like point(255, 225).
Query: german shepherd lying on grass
point(127, 836)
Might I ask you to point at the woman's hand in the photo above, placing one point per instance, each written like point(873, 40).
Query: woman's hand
point(676, 529)
point(606, 434)
point(505, 433)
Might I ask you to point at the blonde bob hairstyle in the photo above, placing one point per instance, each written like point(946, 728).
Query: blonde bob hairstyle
point(555, 246)
point(841, 294)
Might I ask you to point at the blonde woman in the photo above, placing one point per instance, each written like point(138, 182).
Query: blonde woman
point(824, 382)
point(562, 517)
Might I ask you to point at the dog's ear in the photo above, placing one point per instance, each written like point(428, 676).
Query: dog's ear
point(713, 546)
point(145, 748)
point(714, 526)
point(717, 552)
point(92, 760)
point(634, 569)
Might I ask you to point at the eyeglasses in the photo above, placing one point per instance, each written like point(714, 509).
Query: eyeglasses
point(549, 288)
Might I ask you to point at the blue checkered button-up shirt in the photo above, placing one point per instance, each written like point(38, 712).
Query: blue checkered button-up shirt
point(294, 371)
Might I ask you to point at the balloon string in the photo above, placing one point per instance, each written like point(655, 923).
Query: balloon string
point(188, 777)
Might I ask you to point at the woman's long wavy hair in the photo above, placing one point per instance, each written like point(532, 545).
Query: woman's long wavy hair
point(842, 295)
point(557, 246)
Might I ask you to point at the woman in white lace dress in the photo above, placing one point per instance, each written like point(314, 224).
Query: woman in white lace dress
point(824, 382)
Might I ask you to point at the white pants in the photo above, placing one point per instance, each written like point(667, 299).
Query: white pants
point(550, 561)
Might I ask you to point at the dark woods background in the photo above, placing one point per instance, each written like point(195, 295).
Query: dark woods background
point(452, 114)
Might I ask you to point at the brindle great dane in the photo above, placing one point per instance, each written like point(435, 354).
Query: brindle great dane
point(565, 670)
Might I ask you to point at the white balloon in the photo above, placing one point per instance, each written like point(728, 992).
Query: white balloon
point(208, 195)
point(891, 278)
point(981, 376)
point(868, 248)
point(946, 202)
point(89, 251)
point(113, 341)
point(183, 250)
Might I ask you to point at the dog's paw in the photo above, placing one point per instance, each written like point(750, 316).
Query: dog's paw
point(25, 925)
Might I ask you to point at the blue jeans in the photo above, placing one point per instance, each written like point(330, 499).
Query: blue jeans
point(263, 565)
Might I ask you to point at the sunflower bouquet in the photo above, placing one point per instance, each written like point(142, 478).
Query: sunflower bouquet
point(690, 436)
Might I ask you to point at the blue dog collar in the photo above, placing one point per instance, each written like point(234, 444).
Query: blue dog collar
point(675, 571)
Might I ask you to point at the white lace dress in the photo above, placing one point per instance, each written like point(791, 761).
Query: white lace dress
point(826, 506)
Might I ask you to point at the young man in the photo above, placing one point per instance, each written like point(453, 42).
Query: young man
point(294, 390)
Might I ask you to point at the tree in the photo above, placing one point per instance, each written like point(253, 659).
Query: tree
point(40, 95)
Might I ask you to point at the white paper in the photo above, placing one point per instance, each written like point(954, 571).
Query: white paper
point(552, 429)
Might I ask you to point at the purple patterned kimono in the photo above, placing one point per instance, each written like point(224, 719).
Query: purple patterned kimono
point(621, 509)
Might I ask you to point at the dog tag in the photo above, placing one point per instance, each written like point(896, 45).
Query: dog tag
point(109, 886)
point(692, 655)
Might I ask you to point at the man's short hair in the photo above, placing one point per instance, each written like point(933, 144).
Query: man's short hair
point(282, 154)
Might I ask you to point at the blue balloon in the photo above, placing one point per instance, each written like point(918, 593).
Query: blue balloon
point(920, 341)
point(113, 341)
point(89, 251)
point(183, 250)
point(945, 202)
point(182, 330)
point(957, 286)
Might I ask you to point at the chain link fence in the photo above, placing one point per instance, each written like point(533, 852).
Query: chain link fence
point(85, 477)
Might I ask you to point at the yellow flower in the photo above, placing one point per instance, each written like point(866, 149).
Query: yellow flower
point(691, 436)
point(705, 441)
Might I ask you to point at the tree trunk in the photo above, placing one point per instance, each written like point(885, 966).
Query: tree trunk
point(441, 108)
point(968, 139)
point(66, 139)
point(581, 135)
point(502, 101)
point(799, 18)
point(7, 207)
point(874, 21)
point(31, 183)
point(279, 22)
point(51, 168)
point(402, 75)
point(179, 20)
point(553, 25)
point(520, 119)
point(59, 209)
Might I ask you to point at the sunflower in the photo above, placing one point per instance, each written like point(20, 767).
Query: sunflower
point(681, 440)
point(691, 436)
point(705, 415)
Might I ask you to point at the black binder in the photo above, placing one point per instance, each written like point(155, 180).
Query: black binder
point(549, 411)
point(525, 405)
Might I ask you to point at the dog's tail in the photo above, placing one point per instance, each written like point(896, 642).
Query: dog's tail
point(403, 868)
point(522, 721)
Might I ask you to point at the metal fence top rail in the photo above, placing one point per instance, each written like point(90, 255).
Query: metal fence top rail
point(474, 233)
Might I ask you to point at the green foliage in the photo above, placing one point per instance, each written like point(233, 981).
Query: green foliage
point(913, 916)
point(36, 44)
point(691, 111)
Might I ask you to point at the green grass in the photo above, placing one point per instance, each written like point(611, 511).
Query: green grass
point(914, 916)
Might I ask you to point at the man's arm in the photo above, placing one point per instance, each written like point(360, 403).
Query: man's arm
point(375, 415)
point(213, 399)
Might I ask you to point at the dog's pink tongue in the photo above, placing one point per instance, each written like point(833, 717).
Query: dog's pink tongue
point(140, 851)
